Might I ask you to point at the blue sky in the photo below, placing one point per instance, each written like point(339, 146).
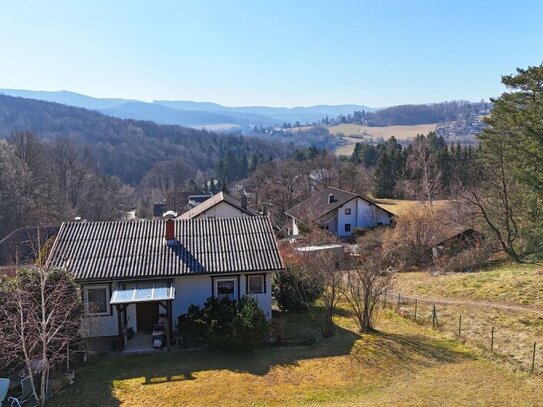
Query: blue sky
point(279, 53)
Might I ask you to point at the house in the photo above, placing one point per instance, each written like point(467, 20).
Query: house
point(454, 239)
point(338, 211)
point(220, 205)
point(132, 273)
point(195, 200)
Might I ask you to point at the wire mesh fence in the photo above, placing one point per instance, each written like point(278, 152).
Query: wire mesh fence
point(511, 335)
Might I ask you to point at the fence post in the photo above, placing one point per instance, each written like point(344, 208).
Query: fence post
point(415, 310)
point(533, 358)
point(398, 307)
point(385, 304)
point(492, 341)
point(434, 317)
point(460, 326)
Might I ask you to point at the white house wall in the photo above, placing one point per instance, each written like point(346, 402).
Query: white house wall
point(188, 290)
point(363, 215)
point(295, 229)
point(107, 325)
point(343, 219)
point(197, 289)
point(222, 210)
point(382, 217)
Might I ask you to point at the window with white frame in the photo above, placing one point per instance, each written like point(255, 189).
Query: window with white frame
point(96, 300)
point(226, 287)
point(347, 227)
point(255, 284)
point(347, 211)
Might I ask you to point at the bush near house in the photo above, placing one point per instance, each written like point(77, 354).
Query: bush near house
point(225, 324)
point(288, 285)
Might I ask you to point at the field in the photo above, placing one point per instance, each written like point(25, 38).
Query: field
point(403, 364)
point(506, 299)
point(354, 133)
point(517, 284)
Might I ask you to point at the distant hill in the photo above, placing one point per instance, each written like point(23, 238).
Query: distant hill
point(194, 114)
point(127, 148)
point(66, 98)
point(281, 114)
point(409, 115)
point(189, 118)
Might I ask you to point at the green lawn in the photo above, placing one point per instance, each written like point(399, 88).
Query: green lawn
point(403, 364)
point(507, 283)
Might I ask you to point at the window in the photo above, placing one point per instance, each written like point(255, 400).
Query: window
point(226, 288)
point(347, 211)
point(347, 227)
point(255, 285)
point(96, 299)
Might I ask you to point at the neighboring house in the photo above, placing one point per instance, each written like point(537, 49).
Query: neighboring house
point(455, 239)
point(338, 211)
point(23, 245)
point(220, 205)
point(132, 272)
point(195, 200)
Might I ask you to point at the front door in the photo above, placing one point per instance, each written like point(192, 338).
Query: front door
point(146, 315)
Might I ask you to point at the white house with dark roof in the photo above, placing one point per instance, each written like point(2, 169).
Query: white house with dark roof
point(133, 274)
point(220, 205)
point(339, 212)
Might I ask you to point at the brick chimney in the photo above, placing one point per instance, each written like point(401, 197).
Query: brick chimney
point(170, 227)
point(265, 209)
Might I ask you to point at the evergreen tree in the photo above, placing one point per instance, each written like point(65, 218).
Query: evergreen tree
point(385, 180)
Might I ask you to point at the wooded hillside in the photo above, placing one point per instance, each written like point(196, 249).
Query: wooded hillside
point(127, 149)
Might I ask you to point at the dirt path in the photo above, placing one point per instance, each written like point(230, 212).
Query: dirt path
point(471, 303)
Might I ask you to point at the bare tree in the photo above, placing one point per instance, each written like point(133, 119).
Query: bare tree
point(422, 163)
point(40, 316)
point(370, 276)
point(319, 270)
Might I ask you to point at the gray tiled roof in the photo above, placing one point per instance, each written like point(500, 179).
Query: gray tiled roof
point(137, 249)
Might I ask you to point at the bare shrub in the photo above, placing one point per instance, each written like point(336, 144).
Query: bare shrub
point(414, 235)
point(370, 276)
point(467, 260)
point(40, 316)
point(318, 271)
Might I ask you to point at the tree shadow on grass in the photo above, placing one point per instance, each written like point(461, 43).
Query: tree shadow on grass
point(389, 352)
point(96, 385)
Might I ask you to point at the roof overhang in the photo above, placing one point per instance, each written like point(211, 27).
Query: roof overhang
point(129, 292)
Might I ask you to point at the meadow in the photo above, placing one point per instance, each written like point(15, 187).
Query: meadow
point(401, 363)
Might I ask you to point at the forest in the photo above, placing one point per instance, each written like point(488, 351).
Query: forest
point(127, 149)
point(59, 162)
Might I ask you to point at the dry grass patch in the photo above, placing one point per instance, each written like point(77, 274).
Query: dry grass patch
point(402, 361)
point(354, 133)
point(514, 331)
point(520, 284)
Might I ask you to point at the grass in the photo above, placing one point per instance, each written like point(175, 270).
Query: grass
point(516, 329)
point(354, 133)
point(520, 284)
point(402, 363)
